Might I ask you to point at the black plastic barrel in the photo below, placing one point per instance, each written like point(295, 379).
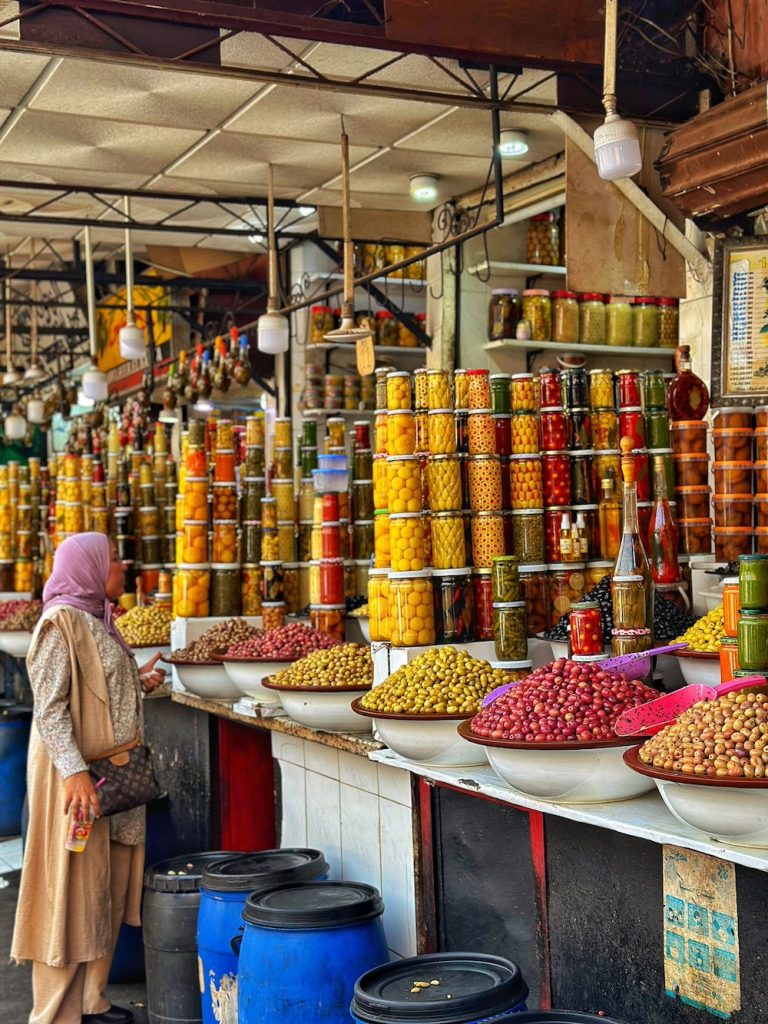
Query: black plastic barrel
point(15, 722)
point(452, 988)
point(171, 901)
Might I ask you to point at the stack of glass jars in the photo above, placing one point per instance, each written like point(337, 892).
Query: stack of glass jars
point(362, 507)
point(192, 579)
point(253, 489)
point(327, 609)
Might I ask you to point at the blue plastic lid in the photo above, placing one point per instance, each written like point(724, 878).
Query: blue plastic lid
point(479, 986)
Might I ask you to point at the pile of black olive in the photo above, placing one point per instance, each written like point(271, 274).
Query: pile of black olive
point(669, 621)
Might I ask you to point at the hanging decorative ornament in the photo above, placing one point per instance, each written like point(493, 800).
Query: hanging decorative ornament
point(348, 333)
point(132, 341)
point(242, 369)
point(94, 382)
point(273, 329)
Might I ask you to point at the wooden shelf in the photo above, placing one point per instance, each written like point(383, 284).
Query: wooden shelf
point(501, 268)
point(316, 414)
point(414, 351)
point(515, 345)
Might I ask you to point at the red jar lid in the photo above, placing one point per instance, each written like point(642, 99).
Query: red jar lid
point(384, 314)
point(647, 300)
point(565, 295)
point(664, 301)
point(592, 297)
point(540, 217)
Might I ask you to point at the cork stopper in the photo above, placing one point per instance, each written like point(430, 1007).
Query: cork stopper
point(628, 462)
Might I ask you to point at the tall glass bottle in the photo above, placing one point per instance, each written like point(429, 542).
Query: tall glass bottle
point(688, 397)
point(609, 517)
point(662, 531)
point(631, 579)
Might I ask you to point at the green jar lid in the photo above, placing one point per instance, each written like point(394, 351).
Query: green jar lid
point(511, 559)
point(584, 605)
point(745, 673)
point(753, 558)
point(748, 613)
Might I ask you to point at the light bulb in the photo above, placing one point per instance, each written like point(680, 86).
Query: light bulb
point(15, 427)
point(34, 372)
point(83, 399)
point(36, 410)
point(512, 142)
point(10, 377)
point(617, 149)
point(306, 211)
point(203, 405)
point(132, 341)
point(169, 416)
point(423, 187)
point(273, 332)
point(256, 239)
point(95, 385)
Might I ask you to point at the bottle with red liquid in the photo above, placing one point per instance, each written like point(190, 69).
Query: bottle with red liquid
point(662, 531)
point(688, 397)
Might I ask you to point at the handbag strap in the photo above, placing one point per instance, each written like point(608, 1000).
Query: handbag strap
point(131, 745)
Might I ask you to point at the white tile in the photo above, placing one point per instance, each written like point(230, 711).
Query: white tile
point(397, 886)
point(321, 759)
point(358, 771)
point(395, 784)
point(288, 748)
point(360, 857)
point(324, 819)
point(293, 826)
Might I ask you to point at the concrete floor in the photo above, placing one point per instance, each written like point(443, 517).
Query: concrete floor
point(15, 982)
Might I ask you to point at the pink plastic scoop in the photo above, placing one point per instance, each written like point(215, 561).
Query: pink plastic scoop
point(653, 716)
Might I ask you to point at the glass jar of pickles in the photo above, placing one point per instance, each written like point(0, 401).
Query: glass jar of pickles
point(381, 540)
point(448, 546)
point(444, 482)
point(605, 429)
point(224, 545)
point(566, 587)
point(478, 389)
point(618, 321)
point(565, 317)
point(398, 390)
point(481, 432)
point(452, 591)
point(525, 434)
point(592, 319)
point(601, 393)
point(192, 591)
point(586, 628)
point(534, 590)
point(523, 393)
point(411, 606)
point(250, 589)
point(401, 432)
point(668, 323)
point(441, 432)
point(378, 605)
point(487, 538)
point(362, 538)
point(542, 240)
point(528, 535)
point(510, 634)
point(485, 492)
point(407, 542)
point(645, 323)
point(505, 575)
point(503, 314)
point(196, 500)
point(526, 486)
point(482, 597)
point(439, 390)
point(537, 310)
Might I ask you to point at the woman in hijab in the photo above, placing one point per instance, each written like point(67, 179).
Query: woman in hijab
point(87, 700)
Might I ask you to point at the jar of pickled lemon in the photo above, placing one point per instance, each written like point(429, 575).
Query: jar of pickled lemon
point(408, 542)
point(192, 591)
point(401, 432)
point(442, 432)
point(403, 484)
point(378, 605)
point(412, 614)
point(398, 390)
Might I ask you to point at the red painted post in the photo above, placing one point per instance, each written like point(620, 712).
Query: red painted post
point(243, 788)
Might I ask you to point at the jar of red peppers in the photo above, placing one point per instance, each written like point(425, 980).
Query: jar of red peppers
point(632, 424)
point(502, 425)
point(550, 391)
point(586, 628)
point(556, 475)
point(554, 429)
point(482, 592)
point(452, 592)
point(629, 389)
point(552, 520)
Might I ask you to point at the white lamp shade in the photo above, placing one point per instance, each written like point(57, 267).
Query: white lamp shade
point(36, 410)
point(83, 400)
point(95, 385)
point(512, 142)
point(617, 149)
point(273, 333)
point(424, 188)
point(35, 372)
point(132, 342)
point(169, 416)
point(10, 377)
point(15, 427)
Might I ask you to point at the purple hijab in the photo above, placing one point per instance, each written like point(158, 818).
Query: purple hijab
point(79, 579)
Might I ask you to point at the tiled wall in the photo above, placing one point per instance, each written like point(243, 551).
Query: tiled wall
point(359, 814)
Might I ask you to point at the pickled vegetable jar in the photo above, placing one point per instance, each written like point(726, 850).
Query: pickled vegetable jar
point(630, 606)
point(565, 317)
point(401, 432)
point(328, 619)
point(487, 538)
point(378, 605)
point(192, 591)
point(528, 536)
point(398, 390)
point(556, 474)
point(523, 393)
point(525, 434)
point(618, 322)
point(478, 389)
point(460, 389)
point(554, 429)
point(224, 546)
point(537, 310)
point(481, 434)
point(439, 390)
point(442, 432)
point(482, 594)
point(282, 491)
point(412, 614)
point(542, 240)
point(566, 587)
point(380, 482)
point(753, 582)
point(503, 314)
point(196, 500)
point(526, 485)
point(505, 574)
point(452, 590)
point(601, 395)
point(753, 640)
point(550, 389)
point(534, 590)
point(605, 429)
point(381, 540)
point(408, 542)
point(581, 477)
point(592, 319)
point(645, 323)
point(510, 632)
point(632, 424)
point(669, 332)
point(657, 428)
point(194, 543)
point(574, 385)
point(362, 538)
point(448, 547)
point(444, 480)
point(485, 494)
point(403, 484)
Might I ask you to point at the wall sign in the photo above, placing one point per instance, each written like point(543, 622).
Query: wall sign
point(740, 322)
point(701, 934)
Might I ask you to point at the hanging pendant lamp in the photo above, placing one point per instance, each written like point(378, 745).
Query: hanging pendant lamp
point(10, 377)
point(35, 372)
point(617, 147)
point(133, 344)
point(94, 382)
point(273, 329)
point(347, 333)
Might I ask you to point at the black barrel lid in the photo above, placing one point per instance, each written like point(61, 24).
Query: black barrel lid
point(9, 709)
point(557, 1017)
point(479, 985)
point(182, 874)
point(246, 872)
point(313, 905)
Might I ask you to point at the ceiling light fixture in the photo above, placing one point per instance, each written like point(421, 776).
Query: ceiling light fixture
point(94, 382)
point(617, 147)
point(424, 187)
point(512, 142)
point(202, 405)
point(348, 333)
point(169, 416)
point(34, 372)
point(15, 426)
point(133, 344)
point(256, 239)
point(307, 211)
point(36, 410)
point(273, 329)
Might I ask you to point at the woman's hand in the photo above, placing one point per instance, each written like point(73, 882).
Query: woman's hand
point(150, 676)
point(80, 795)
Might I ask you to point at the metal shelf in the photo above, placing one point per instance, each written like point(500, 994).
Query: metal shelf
point(316, 414)
point(515, 345)
point(501, 267)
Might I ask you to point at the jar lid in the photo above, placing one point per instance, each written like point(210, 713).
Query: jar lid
point(536, 292)
point(481, 570)
point(692, 522)
point(581, 452)
point(265, 565)
point(630, 578)
point(228, 566)
point(396, 515)
point(143, 508)
point(600, 564)
point(698, 489)
point(381, 512)
point(731, 431)
point(528, 512)
point(504, 291)
point(735, 408)
point(411, 574)
point(369, 522)
point(722, 465)
point(587, 659)
point(533, 455)
point(557, 566)
point(492, 376)
point(564, 295)
point(737, 499)
point(666, 301)
point(438, 412)
point(397, 412)
point(548, 217)
point(252, 479)
point(438, 458)
point(752, 558)
point(631, 408)
point(584, 605)
point(584, 508)
point(529, 376)
point(608, 451)
point(502, 415)
point(446, 514)
point(753, 613)
point(373, 571)
point(647, 300)
point(294, 565)
point(509, 604)
point(599, 370)
point(505, 558)
point(478, 373)
point(472, 412)
point(397, 373)
point(703, 457)
point(688, 425)
point(592, 297)
point(488, 512)
point(477, 458)
point(552, 408)
point(547, 454)
point(662, 451)
point(193, 566)
point(451, 572)
point(273, 604)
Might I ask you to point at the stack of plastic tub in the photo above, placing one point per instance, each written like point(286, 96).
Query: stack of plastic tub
point(761, 479)
point(734, 480)
point(692, 491)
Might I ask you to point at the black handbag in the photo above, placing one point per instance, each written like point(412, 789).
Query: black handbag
point(129, 778)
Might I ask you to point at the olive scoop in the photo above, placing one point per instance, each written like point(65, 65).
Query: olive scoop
point(647, 719)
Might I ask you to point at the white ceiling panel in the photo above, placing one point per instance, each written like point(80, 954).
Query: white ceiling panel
point(18, 72)
point(316, 114)
point(251, 50)
point(48, 174)
point(51, 140)
point(366, 200)
point(142, 95)
point(468, 133)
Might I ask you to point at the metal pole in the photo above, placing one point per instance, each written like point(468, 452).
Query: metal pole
point(90, 287)
point(128, 263)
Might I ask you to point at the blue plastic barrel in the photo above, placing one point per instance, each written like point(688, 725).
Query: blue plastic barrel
point(15, 722)
point(559, 1017)
point(303, 948)
point(451, 988)
point(224, 888)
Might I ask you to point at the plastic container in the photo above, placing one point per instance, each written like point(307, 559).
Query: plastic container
point(224, 888)
point(695, 536)
point(731, 542)
point(481, 986)
point(734, 417)
point(692, 502)
point(731, 478)
point(316, 939)
point(412, 616)
point(693, 471)
point(733, 445)
point(732, 511)
point(15, 724)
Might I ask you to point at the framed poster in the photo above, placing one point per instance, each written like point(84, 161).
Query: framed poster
point(740, 322)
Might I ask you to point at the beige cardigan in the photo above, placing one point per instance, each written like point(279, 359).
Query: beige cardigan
point(63, 913)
